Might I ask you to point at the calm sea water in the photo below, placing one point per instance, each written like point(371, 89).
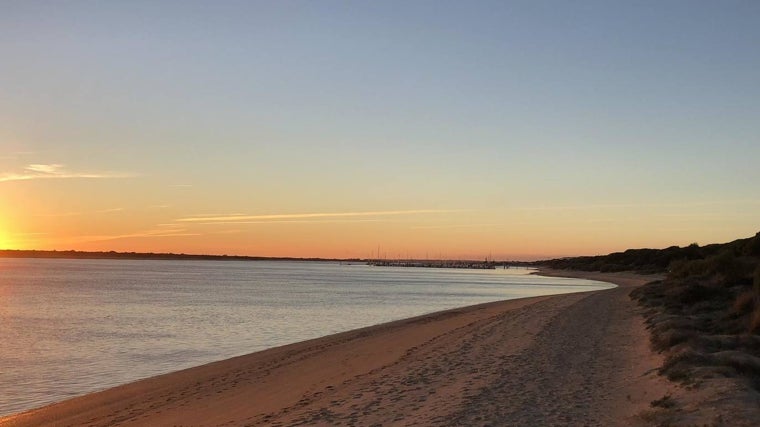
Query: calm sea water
point(69, 327)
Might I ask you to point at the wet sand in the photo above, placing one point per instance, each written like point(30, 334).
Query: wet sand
point(574, 359)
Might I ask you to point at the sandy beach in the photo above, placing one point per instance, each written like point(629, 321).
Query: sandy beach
point(570, 359)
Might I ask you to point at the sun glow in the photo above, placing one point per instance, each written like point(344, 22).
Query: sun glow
point(5, 240)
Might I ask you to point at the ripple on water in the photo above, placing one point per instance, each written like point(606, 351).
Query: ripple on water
point(70, 327)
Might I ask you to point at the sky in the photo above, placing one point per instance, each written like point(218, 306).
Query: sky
point(425, 129)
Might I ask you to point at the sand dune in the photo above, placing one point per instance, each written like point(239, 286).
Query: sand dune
point(559, 360)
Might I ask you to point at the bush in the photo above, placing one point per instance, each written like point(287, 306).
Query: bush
point(705, 316)
point(665, 402)
point(745, 302)
point(754, 321)
point(753, 246)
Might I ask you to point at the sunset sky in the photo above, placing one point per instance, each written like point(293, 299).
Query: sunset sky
point(520, 129)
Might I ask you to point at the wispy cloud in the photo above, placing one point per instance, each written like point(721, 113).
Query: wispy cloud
point(139, 234)
point(579, 207)
point(296, 221)
point(112, 210)
point(46, 169)
point(453, 226)
point(311, 215)
point(101, 211)
point(56, 171)
point(694, 204)
point(206, 215)
point(235, 231)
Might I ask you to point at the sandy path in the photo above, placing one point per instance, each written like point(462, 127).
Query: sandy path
point(561, 360)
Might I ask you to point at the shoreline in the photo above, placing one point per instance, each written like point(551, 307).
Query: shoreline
point(356, 376)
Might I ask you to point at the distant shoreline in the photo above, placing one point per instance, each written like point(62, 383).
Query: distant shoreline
point(72, 254)
point(111, 255)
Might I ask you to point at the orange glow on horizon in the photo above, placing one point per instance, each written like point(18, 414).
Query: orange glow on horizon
point(102, 219)
point(4, 236)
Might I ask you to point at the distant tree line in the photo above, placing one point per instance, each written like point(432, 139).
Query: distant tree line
point(10, 253)
point(650, 261)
